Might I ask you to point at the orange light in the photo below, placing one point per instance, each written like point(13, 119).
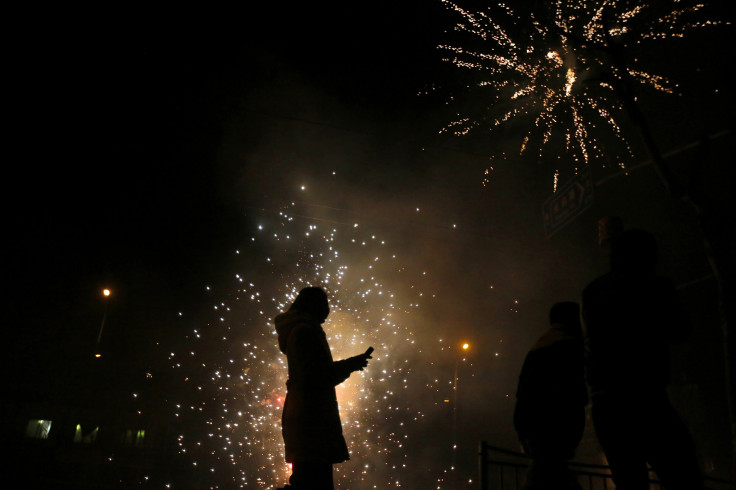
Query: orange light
point(466, 346)
point(98, 355)
point(106, 292)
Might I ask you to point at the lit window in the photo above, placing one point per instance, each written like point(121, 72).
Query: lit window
point(80, 436)
point(133, 437)
point(38, 429)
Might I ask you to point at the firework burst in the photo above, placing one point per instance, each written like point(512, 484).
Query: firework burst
point(562, 69)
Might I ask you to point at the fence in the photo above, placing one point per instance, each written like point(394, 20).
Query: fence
point(502, 469)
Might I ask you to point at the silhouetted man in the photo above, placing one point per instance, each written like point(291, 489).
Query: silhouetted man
point(310, 422)
point(549, 416)
point(630, 314)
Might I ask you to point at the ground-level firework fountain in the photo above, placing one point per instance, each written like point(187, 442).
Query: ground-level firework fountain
point(232, 375)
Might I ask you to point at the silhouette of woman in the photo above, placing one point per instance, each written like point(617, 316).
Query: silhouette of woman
point(310, 421)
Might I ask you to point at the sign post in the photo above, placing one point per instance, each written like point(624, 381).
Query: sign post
point(567, 203)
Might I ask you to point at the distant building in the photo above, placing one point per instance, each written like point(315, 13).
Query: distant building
point(76, 437)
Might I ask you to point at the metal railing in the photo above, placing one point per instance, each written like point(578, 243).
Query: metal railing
point(502, 469)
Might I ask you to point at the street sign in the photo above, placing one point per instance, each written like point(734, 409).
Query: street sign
point(567, 203)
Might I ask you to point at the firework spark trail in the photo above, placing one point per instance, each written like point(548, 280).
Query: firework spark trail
point(561, 74)
point(235, 375)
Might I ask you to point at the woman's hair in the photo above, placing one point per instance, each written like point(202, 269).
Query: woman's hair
point(310, 299)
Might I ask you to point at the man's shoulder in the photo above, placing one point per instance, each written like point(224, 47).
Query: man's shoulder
point(598, 283)
point(663, 282)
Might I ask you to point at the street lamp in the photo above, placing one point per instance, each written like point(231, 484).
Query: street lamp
point(465, 346)
point(106, 292)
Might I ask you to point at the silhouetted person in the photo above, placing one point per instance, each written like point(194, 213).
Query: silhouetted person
point(630, 315)
point(310, 420)
point(549, 416)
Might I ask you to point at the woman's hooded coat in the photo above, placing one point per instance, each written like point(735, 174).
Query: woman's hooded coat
point(310, 421)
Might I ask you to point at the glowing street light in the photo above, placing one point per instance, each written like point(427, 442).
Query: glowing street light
point(106, 292)
point(465, 346)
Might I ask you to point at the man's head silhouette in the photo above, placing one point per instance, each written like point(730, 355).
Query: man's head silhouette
point(634, 252)
point(566, 315)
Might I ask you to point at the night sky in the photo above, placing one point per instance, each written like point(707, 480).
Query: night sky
point(124, 177)
point(147, 147)
point(121, 122)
